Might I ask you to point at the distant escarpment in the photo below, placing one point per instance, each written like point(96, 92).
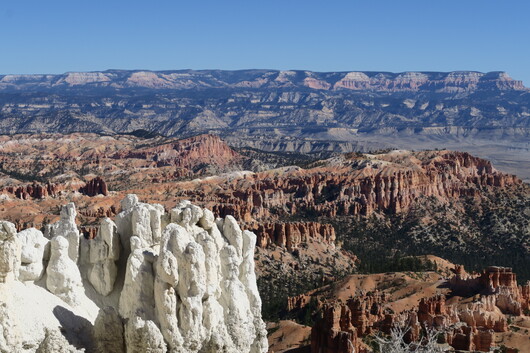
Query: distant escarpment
point(201, 79)
point(330, 106)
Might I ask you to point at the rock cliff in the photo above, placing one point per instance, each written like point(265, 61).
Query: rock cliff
point(181, 281)
point(350, 185)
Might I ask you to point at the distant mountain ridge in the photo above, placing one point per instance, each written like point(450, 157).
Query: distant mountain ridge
point(487, 114)
point(448, 82)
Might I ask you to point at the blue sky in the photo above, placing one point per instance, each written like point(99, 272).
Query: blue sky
point(49, 36)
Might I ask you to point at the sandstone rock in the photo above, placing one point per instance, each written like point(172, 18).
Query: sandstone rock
point(207, 220)
point(96, 186)
point(104, 252)
point(188, 290)
point(108, 331)
point(468, 323)
point(9, 335)
point(333, 333)
point(235, 302)
point(233, 233)
point(191, 288)
point(247, 275)
point(137, 295)
point(67, 228)
point(347, 186)
point(63, 277)
point(141, 220)
point(55, 342)
point(33, 245)
point(34, 191)
point(199, 273)
point(10, 252)
point(292, 235)
point(143, 336)
point(129, 202)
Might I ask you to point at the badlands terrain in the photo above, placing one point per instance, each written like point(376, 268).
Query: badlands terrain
point(344, 242)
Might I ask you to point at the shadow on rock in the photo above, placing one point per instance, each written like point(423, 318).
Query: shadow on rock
point(77, 330)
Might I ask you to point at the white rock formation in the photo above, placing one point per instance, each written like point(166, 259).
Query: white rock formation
point(33, 244)
point(139, 219)
point(137, 295)
point(9, 332)
point(63, 277)
point(144, 336)
point(67, 228)
point(188, 285)
point(10, 252)
point(104, 252)
point(55, 342)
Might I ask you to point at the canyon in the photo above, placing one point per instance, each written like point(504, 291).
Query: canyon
point(303, 211)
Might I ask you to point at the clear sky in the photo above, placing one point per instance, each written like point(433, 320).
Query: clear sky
point(55, 36)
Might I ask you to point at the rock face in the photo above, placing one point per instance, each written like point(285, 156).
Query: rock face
point(10, 252)
point(104, 252)
point(205, 294)
point(449, 82)
point(358, 186)
point(33, 191)
point(185, 155)
point(96, 186)
point(67, 228)
point(33, 246)
point(64, 278)
point(292, 235)
point(467, 325)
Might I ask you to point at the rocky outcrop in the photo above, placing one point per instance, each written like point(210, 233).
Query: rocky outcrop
point(358, 186)
point(10, 252)
point(96, 186)
point(104, 252)
point(186, 155)
point(63, 276)
point(67, 228)
point(33, 191)
point(33, 245)
point(467, 324)
point(334, 332)
point(498, 282)
point(451, 82)
point(292, 235)
point(189, 283)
